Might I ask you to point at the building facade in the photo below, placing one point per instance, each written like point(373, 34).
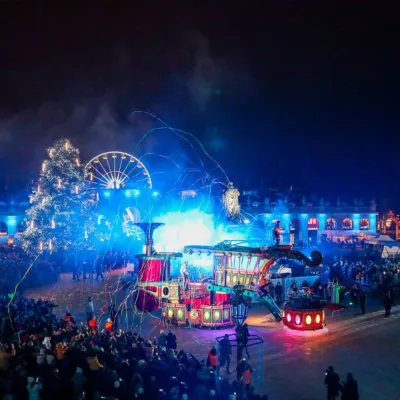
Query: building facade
point(301, 221)
point(389, 224)
point(12, 213)
point(311, 224)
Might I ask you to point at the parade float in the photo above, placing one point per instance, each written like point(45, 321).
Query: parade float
point(207, 302)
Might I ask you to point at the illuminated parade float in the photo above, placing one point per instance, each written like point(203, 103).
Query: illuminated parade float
point(304, 313)
point(206, 303)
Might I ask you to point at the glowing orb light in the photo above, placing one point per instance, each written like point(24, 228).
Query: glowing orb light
point(308, 320)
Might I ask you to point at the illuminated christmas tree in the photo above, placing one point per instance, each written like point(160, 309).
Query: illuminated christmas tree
point(62, 214)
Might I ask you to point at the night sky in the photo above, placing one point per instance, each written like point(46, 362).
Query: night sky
point(293, 93)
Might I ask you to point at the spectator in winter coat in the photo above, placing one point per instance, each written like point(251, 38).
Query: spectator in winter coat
point(89, 309)
point(162, 339)
point(5, 356)
point(388, 303)
point(212, 360)
point(60, 351)
point(93, 363)
point(34, 387)
point(171, 340)
point(78, 382)
point(332, 382)
point(225, 353)
point(350, 388)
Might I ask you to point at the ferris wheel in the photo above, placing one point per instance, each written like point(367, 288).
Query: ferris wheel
point(113, 170)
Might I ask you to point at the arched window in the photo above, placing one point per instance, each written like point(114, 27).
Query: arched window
point(364, 224)
point(3, 229)
point(389, 223)
point(347, 224)
point(313, 224)
point(21, 228)
point(331, 224)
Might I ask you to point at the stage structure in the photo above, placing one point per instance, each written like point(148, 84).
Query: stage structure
point(207, 302)
point(304, 313)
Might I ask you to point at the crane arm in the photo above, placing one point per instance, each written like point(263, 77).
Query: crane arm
point(259, 294)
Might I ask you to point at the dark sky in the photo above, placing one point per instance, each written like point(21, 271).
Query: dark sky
point(296, 92)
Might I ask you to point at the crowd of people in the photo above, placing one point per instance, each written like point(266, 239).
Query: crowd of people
point(90, 265)
point(14, 264)
point(45, 358)
point(42, 357)
point(349, 283)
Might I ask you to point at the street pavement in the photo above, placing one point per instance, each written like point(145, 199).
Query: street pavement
point(289, 364)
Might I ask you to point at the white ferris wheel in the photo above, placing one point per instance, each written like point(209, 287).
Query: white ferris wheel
point(114, 169)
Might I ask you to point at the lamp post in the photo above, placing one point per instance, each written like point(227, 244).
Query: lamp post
point(240, 305)
point(242, 340)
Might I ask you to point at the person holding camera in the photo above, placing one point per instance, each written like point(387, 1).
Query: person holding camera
point(332, 383)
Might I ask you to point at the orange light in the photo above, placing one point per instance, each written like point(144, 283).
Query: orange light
point(317, 319)
point(308, 320)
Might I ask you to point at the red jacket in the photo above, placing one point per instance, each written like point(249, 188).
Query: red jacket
point(212, 359)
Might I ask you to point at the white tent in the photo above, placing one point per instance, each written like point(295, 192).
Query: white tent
point(383, 240)
point(391, 251)
point(335, 233)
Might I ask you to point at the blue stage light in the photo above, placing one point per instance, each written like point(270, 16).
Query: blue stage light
point(191, 227)
point(246, 221)
point(156, 194)
point(107, 194)
point(136, 193)
point(128, 194)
